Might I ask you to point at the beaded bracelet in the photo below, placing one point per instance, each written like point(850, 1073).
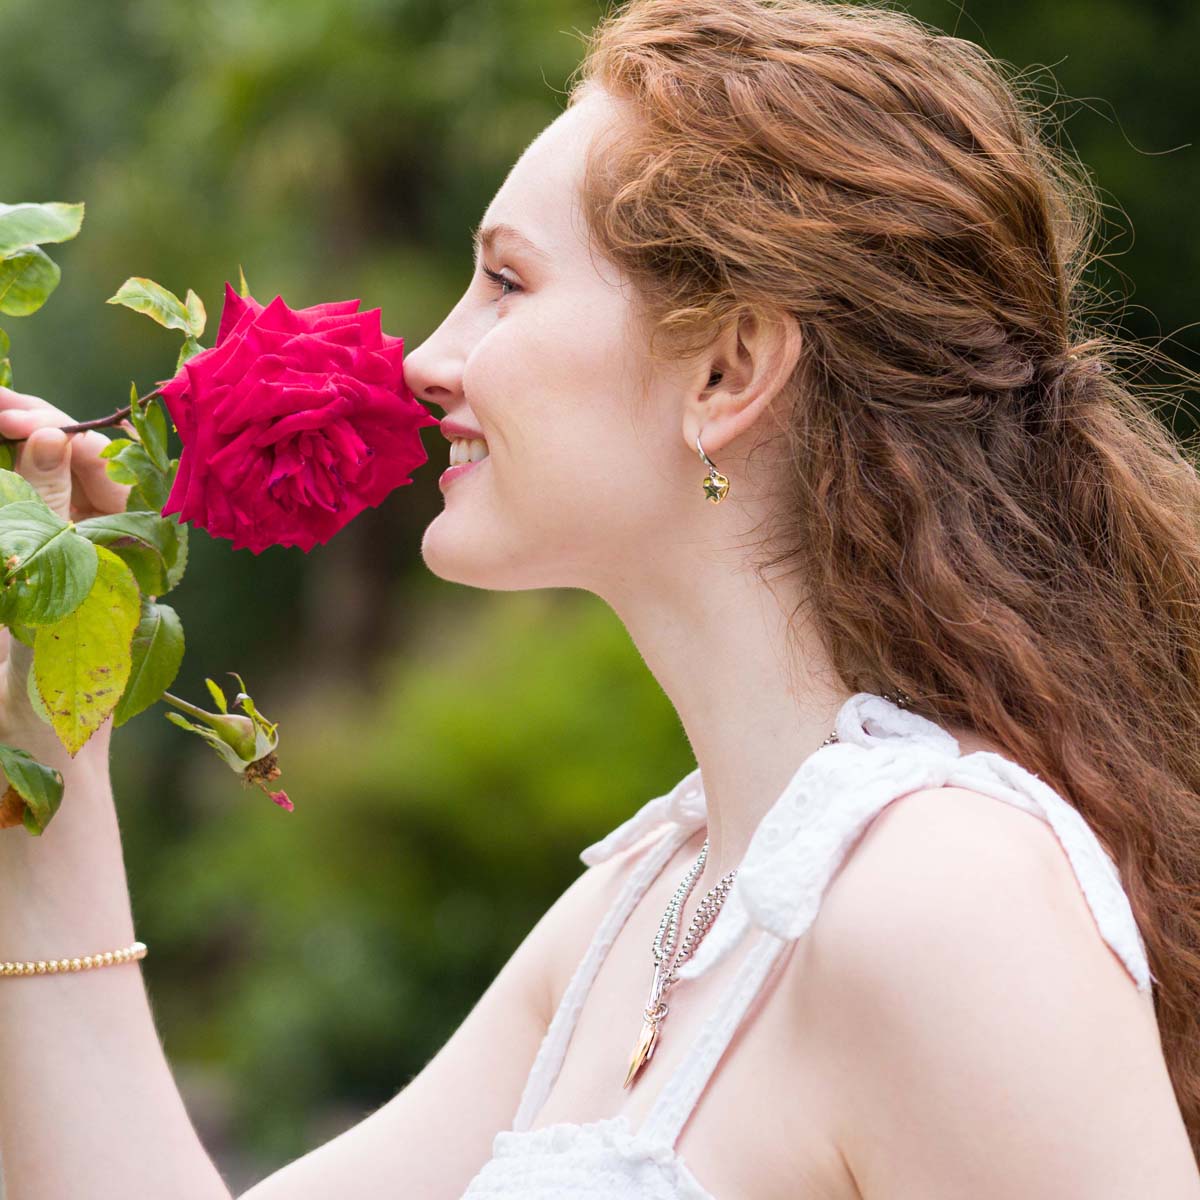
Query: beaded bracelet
point(54, 965)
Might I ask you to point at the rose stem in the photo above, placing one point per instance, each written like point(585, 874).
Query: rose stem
point(191, 709)
point(99, 423)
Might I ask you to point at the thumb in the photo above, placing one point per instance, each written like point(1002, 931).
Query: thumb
point(45, 461)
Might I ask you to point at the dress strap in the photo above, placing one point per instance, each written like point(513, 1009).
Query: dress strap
point(553, 1049)
point(671, 1109)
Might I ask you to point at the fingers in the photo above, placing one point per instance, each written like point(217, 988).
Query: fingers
point(91, 488)
point(19, 400)
point(91, 478)
point(44, 459)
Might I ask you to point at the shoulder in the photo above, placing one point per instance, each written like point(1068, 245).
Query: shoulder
point(973, 1015)
point(944, 864)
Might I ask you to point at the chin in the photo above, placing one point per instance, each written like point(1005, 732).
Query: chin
point(504, 570)
point(461, 560)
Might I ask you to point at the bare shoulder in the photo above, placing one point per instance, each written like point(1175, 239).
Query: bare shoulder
point(984, 1038)
point(571, 922)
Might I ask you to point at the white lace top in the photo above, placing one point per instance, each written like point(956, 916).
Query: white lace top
point(883, 752)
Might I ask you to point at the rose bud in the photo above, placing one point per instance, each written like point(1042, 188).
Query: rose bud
point(246, 743)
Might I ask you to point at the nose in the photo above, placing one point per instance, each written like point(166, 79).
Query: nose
point(434, 370)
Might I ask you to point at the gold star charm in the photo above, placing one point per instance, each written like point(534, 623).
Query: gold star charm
point(715, 487)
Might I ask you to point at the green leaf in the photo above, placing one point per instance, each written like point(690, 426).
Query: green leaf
point(182, 722)
point(147, 543)
point(196, 315)
point(40, 786)
point(138, 501)
point(14, 487)
point(132, 465)
point(115, 446)
point(120, 474)
point(243, 286)
point(217, 695)
point(4, 343)
point(23, 633)
point(27, 277)
point(176, 570)
point(47, 568)
point(152, 426)
point(146, 296)
point(82, 663)
point(6, 380)
point(189, 349)
point(157, 652)
point(34, 224)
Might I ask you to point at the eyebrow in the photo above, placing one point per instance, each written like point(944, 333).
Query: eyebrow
point(487, 238)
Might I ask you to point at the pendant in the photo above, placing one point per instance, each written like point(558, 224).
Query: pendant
point(647, 1039)
point(644, 1050)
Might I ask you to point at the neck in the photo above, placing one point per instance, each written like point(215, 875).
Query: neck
point(752, 707)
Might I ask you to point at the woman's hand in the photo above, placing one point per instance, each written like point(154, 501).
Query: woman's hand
point(70, 476)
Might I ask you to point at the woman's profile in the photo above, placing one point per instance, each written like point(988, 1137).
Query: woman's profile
point(778, 342)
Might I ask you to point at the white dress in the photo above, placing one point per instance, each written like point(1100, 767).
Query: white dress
point(883, 752)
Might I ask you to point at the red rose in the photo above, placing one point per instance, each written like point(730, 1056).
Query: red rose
point(292, 424)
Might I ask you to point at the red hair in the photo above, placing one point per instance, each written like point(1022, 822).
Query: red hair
point(980, 503)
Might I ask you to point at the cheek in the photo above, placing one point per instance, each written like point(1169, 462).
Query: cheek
point(551, 384)
point(539, 381)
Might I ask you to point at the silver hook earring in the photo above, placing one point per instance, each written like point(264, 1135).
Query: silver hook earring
point(716, 486)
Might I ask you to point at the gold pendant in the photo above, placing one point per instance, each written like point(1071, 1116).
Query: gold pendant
point(642, 1051)
point(652, 1017)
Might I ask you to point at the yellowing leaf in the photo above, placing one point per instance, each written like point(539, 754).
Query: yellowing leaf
point(161, 305)
point(196, 314)
point(82, 663)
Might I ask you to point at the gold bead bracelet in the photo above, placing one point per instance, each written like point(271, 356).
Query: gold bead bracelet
point(54, 966)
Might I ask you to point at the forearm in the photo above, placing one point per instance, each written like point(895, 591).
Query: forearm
point(88, 1105)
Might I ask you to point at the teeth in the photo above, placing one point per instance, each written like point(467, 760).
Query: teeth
point(467, 450)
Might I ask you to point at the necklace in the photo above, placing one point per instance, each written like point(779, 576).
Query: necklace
point(667, 959)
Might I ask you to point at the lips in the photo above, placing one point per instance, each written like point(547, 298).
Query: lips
point(452, 430)
point(452, 473)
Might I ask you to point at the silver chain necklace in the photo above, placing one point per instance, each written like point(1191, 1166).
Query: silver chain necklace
point(667, 960)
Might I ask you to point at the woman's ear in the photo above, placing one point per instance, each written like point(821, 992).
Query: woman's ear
point(748, 365)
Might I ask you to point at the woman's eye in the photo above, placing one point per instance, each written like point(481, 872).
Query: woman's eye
point(502, 281)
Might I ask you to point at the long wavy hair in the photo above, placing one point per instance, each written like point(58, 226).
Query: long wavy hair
point(980, 500)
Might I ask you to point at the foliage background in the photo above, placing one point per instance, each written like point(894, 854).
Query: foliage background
point(304, 967)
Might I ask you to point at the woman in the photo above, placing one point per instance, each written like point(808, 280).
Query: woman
point(775, 343)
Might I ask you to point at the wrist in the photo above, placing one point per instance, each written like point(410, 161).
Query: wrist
point(42, 743)
point(64, 892)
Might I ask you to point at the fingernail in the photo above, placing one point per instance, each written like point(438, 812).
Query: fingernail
point(48, 451)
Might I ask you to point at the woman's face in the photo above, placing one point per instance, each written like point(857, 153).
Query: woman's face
point(589, 471)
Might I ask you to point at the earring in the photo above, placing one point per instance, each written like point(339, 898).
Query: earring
point(716, 486)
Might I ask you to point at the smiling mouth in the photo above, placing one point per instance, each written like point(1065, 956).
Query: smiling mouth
point(463, 450)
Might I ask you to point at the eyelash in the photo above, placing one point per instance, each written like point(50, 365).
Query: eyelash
point(498, 279)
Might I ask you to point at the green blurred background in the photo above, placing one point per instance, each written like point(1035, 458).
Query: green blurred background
point(449, 752)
